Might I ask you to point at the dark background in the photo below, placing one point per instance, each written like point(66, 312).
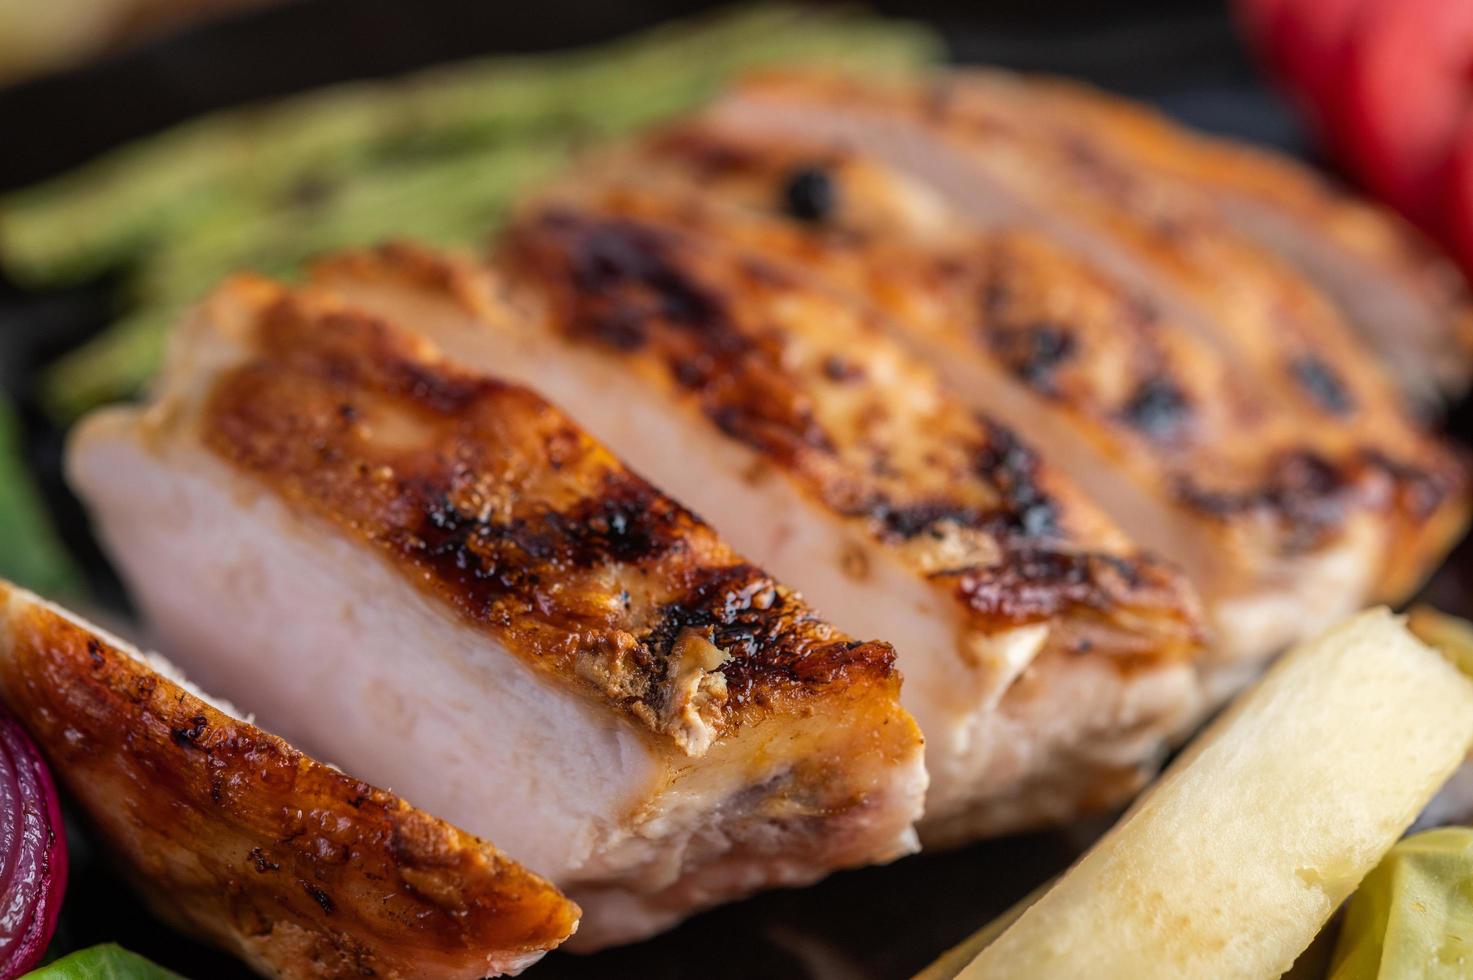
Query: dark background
point(878, 923)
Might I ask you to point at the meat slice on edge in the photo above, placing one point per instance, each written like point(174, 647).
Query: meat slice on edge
point(1284, 523)
point(440, 581)
point(1047, 659)
point(235, 836)
point(1407, 299)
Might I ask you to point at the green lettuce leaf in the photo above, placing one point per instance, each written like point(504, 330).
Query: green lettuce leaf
point(106, 962)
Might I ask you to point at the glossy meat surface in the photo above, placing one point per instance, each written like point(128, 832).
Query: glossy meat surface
point(231, 833)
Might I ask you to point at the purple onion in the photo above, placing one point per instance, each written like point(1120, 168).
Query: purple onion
point(33, 860)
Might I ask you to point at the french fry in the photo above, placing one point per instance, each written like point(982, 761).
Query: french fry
point(1240, 853)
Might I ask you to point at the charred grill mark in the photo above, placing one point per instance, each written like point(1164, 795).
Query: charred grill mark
point(509, 514)
point(1012, 467)
point(484, 561)
point(1322, 384)
point(1036, 584)
point(1033, 353)
point(1305, 492)
point(767, 633)
point(624, 285)
point(1158, 409)
point(613, 256)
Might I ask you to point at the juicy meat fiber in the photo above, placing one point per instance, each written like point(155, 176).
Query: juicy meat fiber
point(236, 836)
point(438, 579)
point(1046, 659)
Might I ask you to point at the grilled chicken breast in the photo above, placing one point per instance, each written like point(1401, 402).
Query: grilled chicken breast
point(439, 580)
point(1407, 300)
point(1046, 658)
point(1285, 521)
point(234, 835)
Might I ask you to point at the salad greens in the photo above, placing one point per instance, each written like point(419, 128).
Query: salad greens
point(1413, 915)
point(106, 962)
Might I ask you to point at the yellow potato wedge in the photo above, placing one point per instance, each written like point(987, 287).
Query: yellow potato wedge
point(1236, 858)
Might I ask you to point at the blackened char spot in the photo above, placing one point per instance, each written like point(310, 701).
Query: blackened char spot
point(1035, 585)
point(484, 559)
point(910, 520)
point(1157, 409)
point(609, 256)
point(189, 737)
point(1012, 468)
point(810, 194)
point(1306, 493)
point(321, 897)
point(1323, 384)
point(765, 631)
point(1034, 352)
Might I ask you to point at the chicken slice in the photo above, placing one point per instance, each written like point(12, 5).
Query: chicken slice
point(235, 836)
point(1284, 525)
point(442, 582)
point(1408, 300)
point(1047, 660)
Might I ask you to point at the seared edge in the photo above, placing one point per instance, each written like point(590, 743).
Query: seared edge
point(1273, 323)
point(504, 509)
point(1147, 390)
point(235, 835)
point(817, 390)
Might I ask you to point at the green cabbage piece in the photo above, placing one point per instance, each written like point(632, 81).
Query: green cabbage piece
point(1413, 915)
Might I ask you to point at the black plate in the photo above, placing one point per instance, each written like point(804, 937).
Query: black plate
point(877, 923)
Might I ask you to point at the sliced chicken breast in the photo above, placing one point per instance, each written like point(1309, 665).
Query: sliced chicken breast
point(1284, 524)
point(235, 836)
point(440, 581)
point(1408, 300)
point(1047, 660)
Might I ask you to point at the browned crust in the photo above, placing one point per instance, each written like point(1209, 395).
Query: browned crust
point(1390, 245)
point(235, 835)
point(1350, 445)
point(508, 512)
point(1144, 386)
point(797, 387)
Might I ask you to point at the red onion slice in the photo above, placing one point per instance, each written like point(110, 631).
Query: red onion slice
point(33, 857)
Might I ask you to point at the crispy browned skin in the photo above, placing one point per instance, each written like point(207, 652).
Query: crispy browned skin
point(786, 370)
point(234, 835)
point(1151, 394)
point(501, 506)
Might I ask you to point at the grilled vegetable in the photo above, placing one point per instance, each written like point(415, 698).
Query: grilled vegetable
point(264, 186)
point(1246, 846)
